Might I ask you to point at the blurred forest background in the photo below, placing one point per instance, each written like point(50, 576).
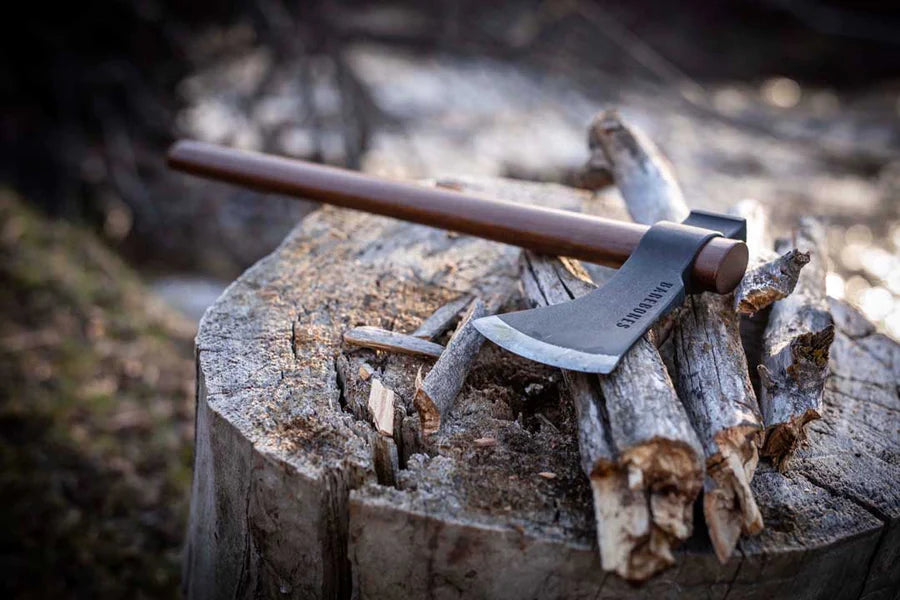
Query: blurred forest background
point(107, 260)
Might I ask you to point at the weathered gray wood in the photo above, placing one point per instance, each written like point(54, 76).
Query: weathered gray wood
point(385, 459)
point(442, 319)
point(770, 276)
point(711, 372)
point(391, 341)
point(286, 501)
point(637, 448)
point(644, 177)
point(435, 394)
point(769, 281)
point(712, 380)
point(795, 350)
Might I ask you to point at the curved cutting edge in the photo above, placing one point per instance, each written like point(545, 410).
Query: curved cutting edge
point(502, 334)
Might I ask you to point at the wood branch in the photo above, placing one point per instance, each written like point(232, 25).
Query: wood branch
point(442, 319)
point(435, 394)
point(381, 408)
point(644, 177)
point(637, 447)
point(713, 382)
point(711, 369)
point(770, 276)
point(391, 341)
point(795, 351)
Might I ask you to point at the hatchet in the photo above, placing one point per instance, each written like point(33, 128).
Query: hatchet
point(658, 265)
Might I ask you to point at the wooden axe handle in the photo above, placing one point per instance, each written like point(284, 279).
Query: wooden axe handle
point(718, 267)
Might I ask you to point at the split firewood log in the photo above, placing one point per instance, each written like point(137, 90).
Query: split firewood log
point(287, 500)
point(711, 372)
point(638, 449)
point(795, 350)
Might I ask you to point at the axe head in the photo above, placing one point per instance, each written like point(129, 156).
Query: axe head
point(592, 333)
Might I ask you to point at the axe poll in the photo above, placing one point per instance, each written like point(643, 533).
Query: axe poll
point(659, 264)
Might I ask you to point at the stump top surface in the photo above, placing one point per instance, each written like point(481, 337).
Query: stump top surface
point(267, 352)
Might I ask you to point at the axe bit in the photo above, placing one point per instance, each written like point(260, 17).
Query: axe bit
point(659, 265)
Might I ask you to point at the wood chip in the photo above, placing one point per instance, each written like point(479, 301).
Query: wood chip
point(381, 408)
point(365, 371)
point(485, 442)
point(391, 341)
point(547, 475)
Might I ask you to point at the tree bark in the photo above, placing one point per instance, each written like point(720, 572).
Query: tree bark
point(711, 372)
point(795, 351)
point(637, 447)
point(435, 394)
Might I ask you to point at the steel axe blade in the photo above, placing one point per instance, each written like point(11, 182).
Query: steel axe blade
point(592, 333)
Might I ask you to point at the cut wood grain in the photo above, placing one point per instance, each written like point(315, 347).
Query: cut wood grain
point(435, 394)
point(711, 372)
point(391, 341)
point(795, 350)
point(637, 447)
point(442, 319)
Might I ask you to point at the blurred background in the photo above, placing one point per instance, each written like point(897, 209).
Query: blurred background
point(107, 260)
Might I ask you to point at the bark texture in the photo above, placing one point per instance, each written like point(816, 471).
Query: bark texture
point(435, 394)
point(795, 351)
point(287, 503)
point(711, 373)
point(643, 459)
point(770, 276)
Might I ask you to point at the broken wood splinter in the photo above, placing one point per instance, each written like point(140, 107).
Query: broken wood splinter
point(381, 407)
point(390, 341)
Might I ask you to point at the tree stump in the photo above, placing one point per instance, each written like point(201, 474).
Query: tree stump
point(296, 494)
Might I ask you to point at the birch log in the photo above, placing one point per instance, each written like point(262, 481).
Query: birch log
point(638, 450)
point(795, 350)
point(711, 369)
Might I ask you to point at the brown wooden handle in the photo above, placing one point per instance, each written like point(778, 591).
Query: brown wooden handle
point(719, 265)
